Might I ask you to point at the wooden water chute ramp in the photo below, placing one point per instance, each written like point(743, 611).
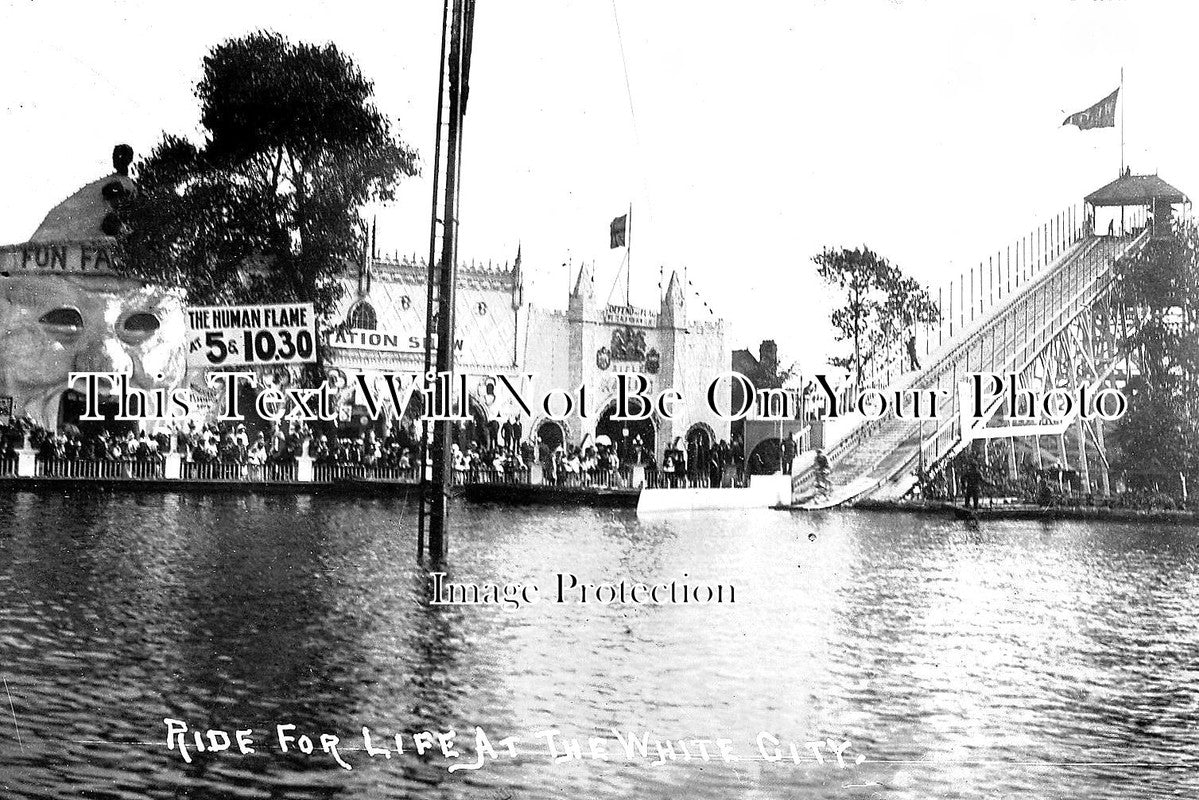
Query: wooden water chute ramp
point(1035, 317)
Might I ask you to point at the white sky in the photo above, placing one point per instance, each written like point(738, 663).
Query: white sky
point(930, 131)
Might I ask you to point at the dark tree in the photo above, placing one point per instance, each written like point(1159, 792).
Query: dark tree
point(881, 303)
point(1159, 286)
point(267, 207)
point(1156, 436)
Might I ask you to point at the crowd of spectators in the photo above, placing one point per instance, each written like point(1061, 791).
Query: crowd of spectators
point(600, 462)
point(592, 462)
point(228, 443)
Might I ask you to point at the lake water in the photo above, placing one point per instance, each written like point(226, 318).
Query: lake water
point(1046, 660)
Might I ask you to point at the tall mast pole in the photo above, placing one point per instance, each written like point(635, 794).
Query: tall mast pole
point(443, 469)
point(1122, 165)
point(438, 497)
point(1122, 107)
point(628, 271)
point(430, 286)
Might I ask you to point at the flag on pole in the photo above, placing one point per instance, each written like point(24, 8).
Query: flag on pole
point(1100, 115)
point(617, 230)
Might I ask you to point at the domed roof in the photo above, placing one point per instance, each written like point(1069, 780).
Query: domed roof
point(78, 218)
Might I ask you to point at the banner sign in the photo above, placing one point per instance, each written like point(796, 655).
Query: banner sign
point(93, 258)
point(361, 339)
point(235, 336)
point(382, 341)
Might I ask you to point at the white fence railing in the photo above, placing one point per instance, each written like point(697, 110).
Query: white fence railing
point(102, 470)
point(162, 469)
point(623, 478)
point(292, 472)
point(332, 473)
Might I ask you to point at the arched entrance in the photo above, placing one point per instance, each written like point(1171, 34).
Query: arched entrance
point(766, 458)
point(551, 434)
point(631, 437)
point(700, 441)
point(73, 405)
point(478, 430)
point(406, 427)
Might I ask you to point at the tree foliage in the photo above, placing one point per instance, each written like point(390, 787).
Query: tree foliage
point(881, 303)
point(266, 208)
point(1159, 286)
point(1156, 435)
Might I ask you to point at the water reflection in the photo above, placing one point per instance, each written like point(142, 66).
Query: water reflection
point(962, 661)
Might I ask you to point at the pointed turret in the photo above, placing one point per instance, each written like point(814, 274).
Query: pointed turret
point(364, 271)
point(674, 304)
point(582, 299)
point(584, 286)
point(518, 283)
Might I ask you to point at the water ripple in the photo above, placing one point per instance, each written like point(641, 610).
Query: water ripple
point(1019, 659)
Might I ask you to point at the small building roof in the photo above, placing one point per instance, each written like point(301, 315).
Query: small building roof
point(1136, 190)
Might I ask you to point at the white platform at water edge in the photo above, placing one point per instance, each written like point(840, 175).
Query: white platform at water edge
point(764, 491)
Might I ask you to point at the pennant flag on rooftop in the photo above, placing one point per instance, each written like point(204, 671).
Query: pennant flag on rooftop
point(1100, 115)
point(616, 231)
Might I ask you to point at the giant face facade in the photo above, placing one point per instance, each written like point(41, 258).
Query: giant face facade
point(53, 324)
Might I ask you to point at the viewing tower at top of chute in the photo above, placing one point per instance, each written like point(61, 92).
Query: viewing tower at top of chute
point(1142, 200)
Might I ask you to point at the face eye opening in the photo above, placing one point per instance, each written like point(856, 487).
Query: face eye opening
point(141, 324)
point(65, 320)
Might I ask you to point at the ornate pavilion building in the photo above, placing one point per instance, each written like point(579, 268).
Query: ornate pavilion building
point(498, 332)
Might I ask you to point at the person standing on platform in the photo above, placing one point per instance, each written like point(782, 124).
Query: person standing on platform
point(493, 432)
point(823, 484)
point(915, 362)
point(972, 477)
